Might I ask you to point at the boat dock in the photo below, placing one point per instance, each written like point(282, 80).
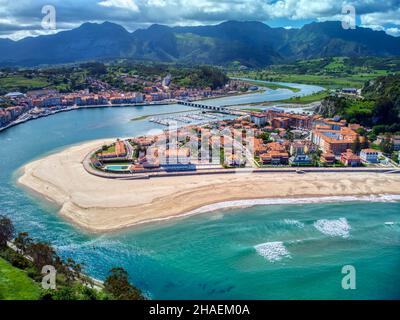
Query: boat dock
point(187, 118)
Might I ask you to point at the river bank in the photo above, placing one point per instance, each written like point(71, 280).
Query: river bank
point(46, 114)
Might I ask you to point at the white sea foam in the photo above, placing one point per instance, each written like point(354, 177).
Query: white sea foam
point(102, 243)
point(217, 216)
point(272, 251)
point(334, 228)
point(278, 201)
point(389, 223)
point(293, 222)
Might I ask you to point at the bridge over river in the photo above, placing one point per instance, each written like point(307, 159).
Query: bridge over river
point(220, 109)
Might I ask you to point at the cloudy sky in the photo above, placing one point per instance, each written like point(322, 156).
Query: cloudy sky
point(22, 18)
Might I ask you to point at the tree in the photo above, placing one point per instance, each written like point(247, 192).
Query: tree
point(364, 143)
point(387, 145)
point(385, 112)
point(7, 231)
point(356, 147)
point(265, 136)
point(72, 271)
point(65, 294)
point(43, 255)
point(362, 132)
point(22, 242)
point(117, 284)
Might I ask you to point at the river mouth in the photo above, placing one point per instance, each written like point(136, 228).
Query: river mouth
point(212, 256)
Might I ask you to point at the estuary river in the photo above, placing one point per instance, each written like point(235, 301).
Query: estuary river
point(263, 252)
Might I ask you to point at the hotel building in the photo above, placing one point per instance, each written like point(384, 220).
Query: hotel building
point(333, 141)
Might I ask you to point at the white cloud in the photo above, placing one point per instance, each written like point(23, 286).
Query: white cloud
point(28, 33)
point(375, 27)
point(302, 9)
point(142, 13)
point(381, 18)
point(121, 4)
point(393, 31)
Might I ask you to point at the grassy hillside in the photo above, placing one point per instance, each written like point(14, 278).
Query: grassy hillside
point(21, 83)
point(15, 284)
point(75, 77)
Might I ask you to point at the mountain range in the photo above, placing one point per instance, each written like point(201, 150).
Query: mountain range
point(253, 44)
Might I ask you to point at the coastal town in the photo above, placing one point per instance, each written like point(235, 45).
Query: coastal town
point(107, 89)
point(196, 158)
point(272, 138)
point(39, 103)
point(215, 138)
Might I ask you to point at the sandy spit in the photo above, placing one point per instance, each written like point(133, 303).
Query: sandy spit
point(101, 205)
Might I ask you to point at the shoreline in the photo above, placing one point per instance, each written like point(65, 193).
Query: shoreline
point(130, 105)
point(69, 109)
point(250, 203)
point(222, 206)
point(99, 205)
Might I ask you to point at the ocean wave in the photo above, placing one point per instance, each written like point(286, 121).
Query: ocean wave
point(217, 216)
point(303, 200)
point(272, 251)
point(274, 201)
point(102, 244)
point(293, 222)
point(335, 228)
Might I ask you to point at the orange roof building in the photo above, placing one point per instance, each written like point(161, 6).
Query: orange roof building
point(120, 151)
point(275, 158)
point(350, 159)
point(328, 158)
point(335, 141)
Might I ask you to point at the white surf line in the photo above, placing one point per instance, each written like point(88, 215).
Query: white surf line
point(304, 200)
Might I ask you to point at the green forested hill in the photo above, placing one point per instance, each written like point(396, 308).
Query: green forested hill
point(379, 108)
point(251, 43)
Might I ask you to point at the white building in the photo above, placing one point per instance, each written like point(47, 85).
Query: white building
point(259, 119)
point(14, 95)
point(369, 155)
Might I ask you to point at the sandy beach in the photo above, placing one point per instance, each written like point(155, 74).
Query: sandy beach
point(102, 205)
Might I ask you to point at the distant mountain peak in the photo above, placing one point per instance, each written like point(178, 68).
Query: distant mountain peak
point(251, 43)
point(106, 25)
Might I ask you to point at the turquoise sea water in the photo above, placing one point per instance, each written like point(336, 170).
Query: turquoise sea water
point(264, 252)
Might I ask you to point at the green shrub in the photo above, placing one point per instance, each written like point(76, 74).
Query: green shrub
point(20, 262)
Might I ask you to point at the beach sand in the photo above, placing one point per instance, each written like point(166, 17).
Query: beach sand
point(102, 205)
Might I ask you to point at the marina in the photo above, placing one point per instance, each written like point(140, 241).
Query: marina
point(189, 118)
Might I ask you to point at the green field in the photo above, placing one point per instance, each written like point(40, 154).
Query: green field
point(20, 82)
point(331, 73)
point(273, 86)
point(15, 284)
point(110, 149)
point(307, 99)
point(327, 81)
